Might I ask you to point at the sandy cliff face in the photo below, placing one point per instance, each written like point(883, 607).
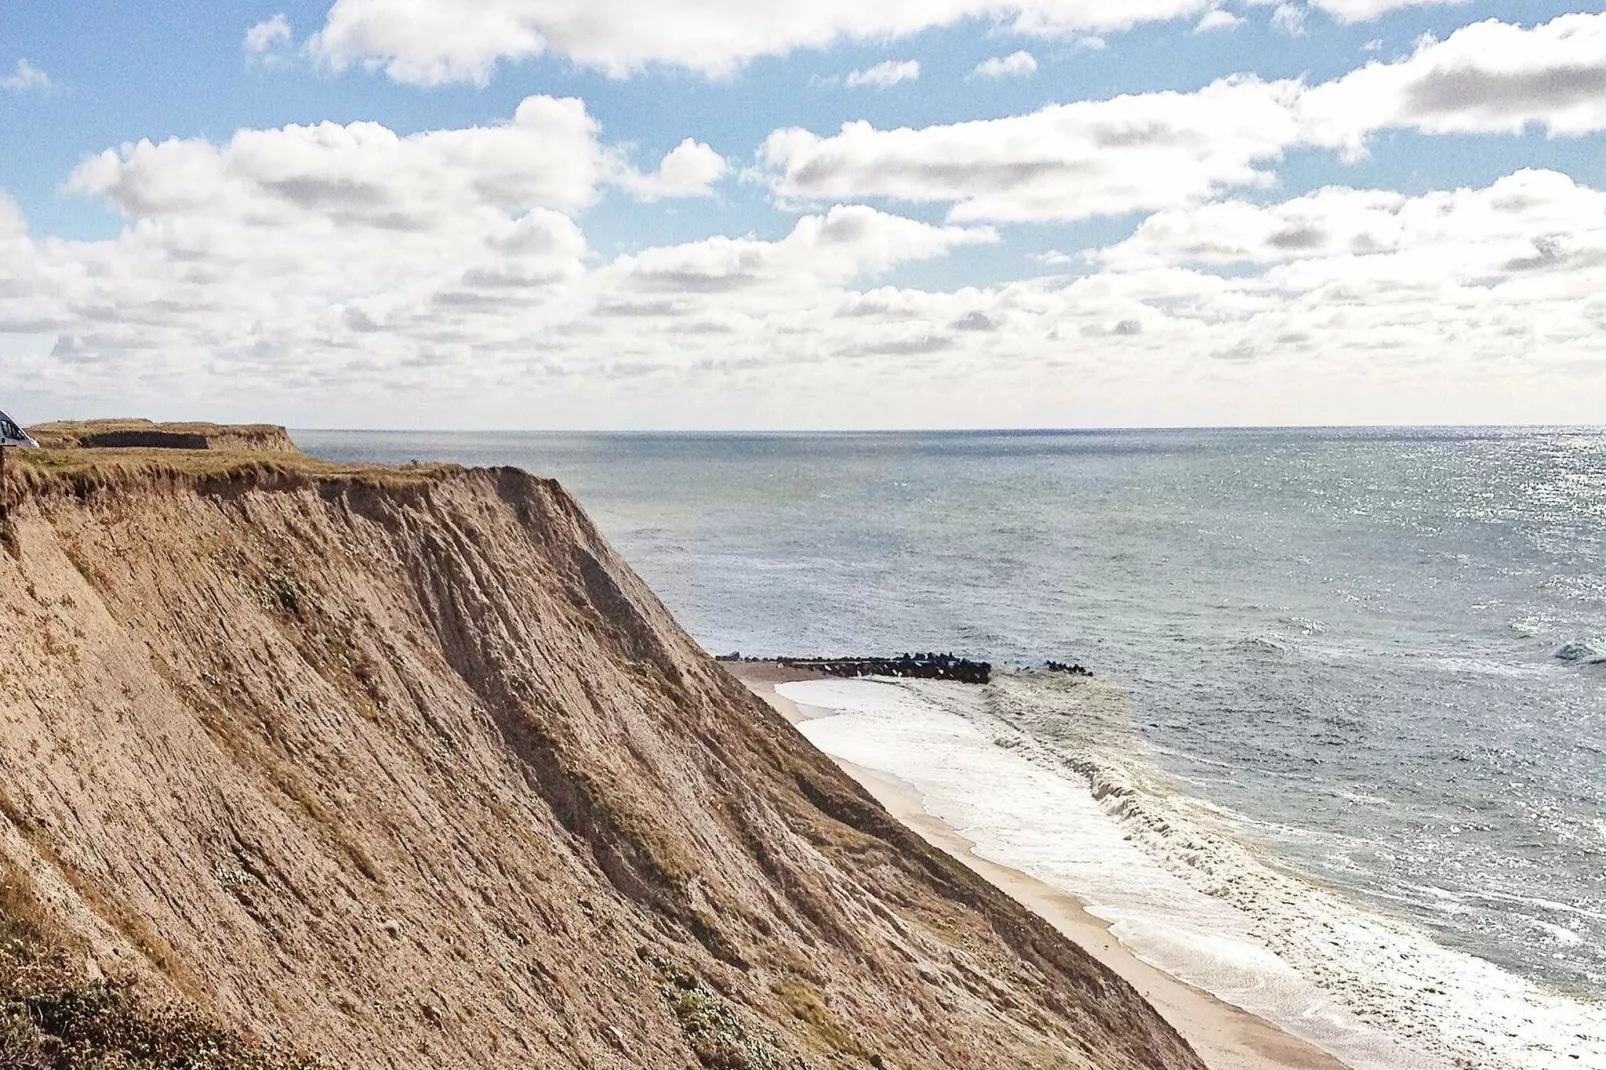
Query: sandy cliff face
point(411, 770)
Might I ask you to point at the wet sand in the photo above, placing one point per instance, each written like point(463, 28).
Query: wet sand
point(1226, 1037)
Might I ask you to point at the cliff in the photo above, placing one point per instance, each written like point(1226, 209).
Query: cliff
point(404, 767)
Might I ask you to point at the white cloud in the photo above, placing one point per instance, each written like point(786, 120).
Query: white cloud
point(267, 36)
point(844, 243)
point(689, 170)
point(1530, 242)
point(350, 242)
point(1367, 10)
point(430, 42)
point(1063, 162)
point(347, 265)
point(300, 261)
point(26, 78)
point(1289, 19)
point(1218, 19)
point(1014, 65)
point(1339, 305)
point(1153, 151)
point(885, 75)
point(1481, 232)
point(362, 174)
point(1490, 77)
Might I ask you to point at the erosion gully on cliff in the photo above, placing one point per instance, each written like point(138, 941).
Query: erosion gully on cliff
point(404, 767)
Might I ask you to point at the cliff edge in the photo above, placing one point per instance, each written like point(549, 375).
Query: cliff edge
point(404, 767)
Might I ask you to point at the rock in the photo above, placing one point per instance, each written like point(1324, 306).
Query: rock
point(924, 666)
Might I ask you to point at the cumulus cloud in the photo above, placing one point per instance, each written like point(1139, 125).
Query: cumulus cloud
point(1289, 19)
point(361, 174)
point(885, 75)
point(1218, 19)
point(1367, 10)
point(844, 243)
point(267, 36)
point(26, 78)
point(689, 170)
point(1153, 151)
point(1306, 308)
point(1529, 221)
point(1063, 162)
point(350, 262)
point(1014, 65)
point(351, 242)
point(302, 260)
point(431, 42)
point(1490, 77)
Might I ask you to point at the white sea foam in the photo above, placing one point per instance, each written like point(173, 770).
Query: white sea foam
point(1073, 798)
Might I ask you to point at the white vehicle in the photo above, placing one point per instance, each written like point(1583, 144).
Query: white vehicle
point(13, 435)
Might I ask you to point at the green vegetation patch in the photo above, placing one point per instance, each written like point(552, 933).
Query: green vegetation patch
point(53, 1019)
point(713, 1030)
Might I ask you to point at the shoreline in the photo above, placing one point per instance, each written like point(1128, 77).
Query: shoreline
point(1225, 1037)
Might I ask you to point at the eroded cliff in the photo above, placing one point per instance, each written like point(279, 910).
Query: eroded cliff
point(406, 768)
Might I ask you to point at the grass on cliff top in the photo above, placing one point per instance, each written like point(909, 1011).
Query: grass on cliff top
point(83, 470)
point(75, 428)
point(65, 463)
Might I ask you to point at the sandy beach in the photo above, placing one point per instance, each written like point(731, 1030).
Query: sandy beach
point(1226, 1037)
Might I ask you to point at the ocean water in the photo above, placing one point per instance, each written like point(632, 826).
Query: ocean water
point(1349, 731)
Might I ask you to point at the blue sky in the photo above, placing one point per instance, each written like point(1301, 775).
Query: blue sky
point(218, 327)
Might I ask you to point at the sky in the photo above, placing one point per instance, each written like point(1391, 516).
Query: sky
point(718, 214)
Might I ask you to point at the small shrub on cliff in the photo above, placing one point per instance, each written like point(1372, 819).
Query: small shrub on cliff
point(283, 591)
point(714, 1032)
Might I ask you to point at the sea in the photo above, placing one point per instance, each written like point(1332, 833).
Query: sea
point(1343, 758)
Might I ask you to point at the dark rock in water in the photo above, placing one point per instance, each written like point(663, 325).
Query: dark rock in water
point(1579, 653)
point(910, 666)
point(1068, 670)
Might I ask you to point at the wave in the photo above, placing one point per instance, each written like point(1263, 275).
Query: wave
point(1263, 644)
point(1388, 973)
point(1073, 798)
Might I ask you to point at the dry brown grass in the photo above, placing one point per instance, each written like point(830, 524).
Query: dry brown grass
point(807, 1004)
point(80, 427)
point(74, 434)
point(83, 472)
